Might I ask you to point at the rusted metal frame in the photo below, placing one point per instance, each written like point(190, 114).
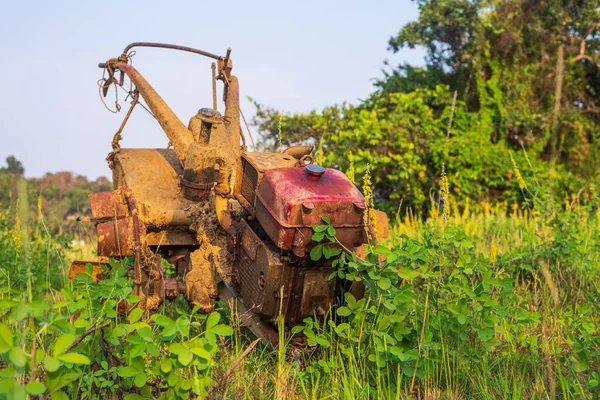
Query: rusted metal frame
point(83, 218)
point(179, 136)
point(173, 47)
point(132, 206)
point(223, 76)
point(117, 138)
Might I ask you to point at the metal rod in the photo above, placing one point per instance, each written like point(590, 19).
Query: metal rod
point(227, 57)
point(214, 85)
point(132, 206)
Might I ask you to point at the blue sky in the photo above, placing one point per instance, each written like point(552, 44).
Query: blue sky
point(293, 56)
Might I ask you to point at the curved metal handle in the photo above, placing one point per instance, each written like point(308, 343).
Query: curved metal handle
point(172, 47)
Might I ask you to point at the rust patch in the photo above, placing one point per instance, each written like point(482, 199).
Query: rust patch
point(108, 205)
point(116, 238)
point(79, 267)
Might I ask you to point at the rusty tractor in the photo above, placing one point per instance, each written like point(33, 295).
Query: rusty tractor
point(235, 224)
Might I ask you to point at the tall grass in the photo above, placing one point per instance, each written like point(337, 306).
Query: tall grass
point(545, 335)
point(546, 332)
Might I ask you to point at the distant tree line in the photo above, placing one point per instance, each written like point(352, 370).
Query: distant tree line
point(509, 89)
point(60, 197)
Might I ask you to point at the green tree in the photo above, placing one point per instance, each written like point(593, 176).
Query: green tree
point(13, 167)
point(526, 76)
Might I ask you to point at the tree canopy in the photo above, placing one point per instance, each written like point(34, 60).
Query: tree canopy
point(507, 86)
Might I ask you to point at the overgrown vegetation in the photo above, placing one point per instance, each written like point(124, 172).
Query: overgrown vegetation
point(483, 305)
point(499, 77)
point(462, 305)
point(85, 339)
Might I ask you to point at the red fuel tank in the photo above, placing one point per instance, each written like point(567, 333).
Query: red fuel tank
point(290, 201)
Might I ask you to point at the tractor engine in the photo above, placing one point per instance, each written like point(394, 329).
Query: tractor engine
point(273, 269)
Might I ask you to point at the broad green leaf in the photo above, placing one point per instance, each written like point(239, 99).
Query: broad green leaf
point(8, 372)
point(35, 388)
point(222, 330)
point(186, 384)
point(61, 381)
point(331, 231)
point(350, 299)
point(485, 333)
point(318, 236)
point(380, 250)
point(63, 343)
point(212, 320)
point(152, 349)
point(17, 357)
point(140, 379)
point(137, 350)
point(51, 364)
point(327, 252)
point(74, 358)
point(7, 385)
point(326, 219)
point(162, 320)
point(166, 365)
point(169, 330)
point(135, 339)
point(316, 252)
point(145, 333)
point(135, 315)
point(185, 357)
point(407, 274)
point(343, 311)
point(117, 332)
point(81, 323)
point(128, 372)
point(183, 324)
point(297, 329)
point(177, 348)
point(19, 312)
point(211, 338)
point(6, 339)
point(384, 283)
point(173, 379)
point(200, 352)
point(59, 396)
point(133, 299)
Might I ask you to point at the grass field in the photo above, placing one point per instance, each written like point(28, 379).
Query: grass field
point(484, 305)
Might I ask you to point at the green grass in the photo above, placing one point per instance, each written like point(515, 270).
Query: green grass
point(491, 305)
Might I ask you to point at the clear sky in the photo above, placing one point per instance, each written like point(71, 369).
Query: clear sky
point(293, 56)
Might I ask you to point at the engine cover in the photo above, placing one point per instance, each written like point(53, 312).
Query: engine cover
point(290, 201)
